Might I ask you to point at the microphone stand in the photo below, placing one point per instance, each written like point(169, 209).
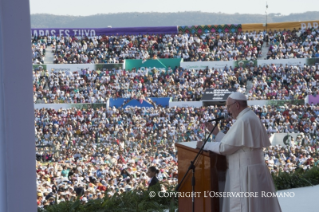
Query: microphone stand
point(192, 167)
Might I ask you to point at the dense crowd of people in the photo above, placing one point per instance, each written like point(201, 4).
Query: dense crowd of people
point(98, 170)
point(136, 125)
point(160, 124)
point(87, 86)
point(217, 46)
point(282, 82)
point(222, 46)
point(287, 44)
point(288, 158)
point(98, 152)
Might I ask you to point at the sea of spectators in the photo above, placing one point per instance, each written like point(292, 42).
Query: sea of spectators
point(87, 86)
point(98, 152)
point(288, 158)
point(216, 46)
point(286, 44)
point(291, 119)
point(282, 82)
point(160, 124)
point(96, 170)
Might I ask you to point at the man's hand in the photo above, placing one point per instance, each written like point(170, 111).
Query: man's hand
point(199, 144)
point(210, 126)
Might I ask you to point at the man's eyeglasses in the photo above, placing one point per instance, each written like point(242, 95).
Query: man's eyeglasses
point(228, 106)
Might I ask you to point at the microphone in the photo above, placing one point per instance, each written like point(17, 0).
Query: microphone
point(218, 119)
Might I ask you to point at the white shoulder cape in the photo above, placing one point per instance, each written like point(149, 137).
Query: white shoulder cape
point(247, 131)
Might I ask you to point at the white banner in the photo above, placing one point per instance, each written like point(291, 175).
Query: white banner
point(186, 104)
point(221, 64)
point(278, 138)
point(200, 104)
point(53, 106)
point(64, 106)
point(268, 102)
point(69, 68)
point(292, 62)
point(257, 102)
point(205, 64)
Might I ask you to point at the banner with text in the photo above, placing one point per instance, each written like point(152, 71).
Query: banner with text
point(276, 103)
point(138, 103)
point(196, 104)
point(91, 32)
point(284, 139)
point(119, 102)
point(67, 106)
point(222, 64)
point(292, 62)
point(281, 26)
point(245, 63)
point(207, 64)
point(217, 94)
point(69, 68)
point(150, 63)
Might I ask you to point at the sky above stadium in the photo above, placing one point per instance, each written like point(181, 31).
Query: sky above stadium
point(92, 7)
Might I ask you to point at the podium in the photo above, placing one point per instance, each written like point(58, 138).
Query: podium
point(210, 169)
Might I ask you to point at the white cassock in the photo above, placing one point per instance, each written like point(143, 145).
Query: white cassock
point(247, 170)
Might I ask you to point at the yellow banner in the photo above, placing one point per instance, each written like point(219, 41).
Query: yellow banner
point(280, 26)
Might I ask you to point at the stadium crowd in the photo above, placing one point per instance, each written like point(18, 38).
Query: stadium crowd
point(160, 124)
point(216, 46)
point(281, 82)
point(98, 152)
point(284, 82)
point(97, 86)
point(288, 44)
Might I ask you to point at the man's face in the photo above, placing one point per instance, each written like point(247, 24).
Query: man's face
point(231, 107)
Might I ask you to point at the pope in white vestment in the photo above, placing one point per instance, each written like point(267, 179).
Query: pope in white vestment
point(247, 171)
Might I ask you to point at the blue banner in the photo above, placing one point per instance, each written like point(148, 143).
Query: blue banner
point(117, 102)
point(161, 101)
point(138, 103)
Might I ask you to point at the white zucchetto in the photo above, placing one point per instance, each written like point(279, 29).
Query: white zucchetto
point(238, 96)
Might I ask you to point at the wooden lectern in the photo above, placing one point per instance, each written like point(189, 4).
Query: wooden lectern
point(210, 168)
